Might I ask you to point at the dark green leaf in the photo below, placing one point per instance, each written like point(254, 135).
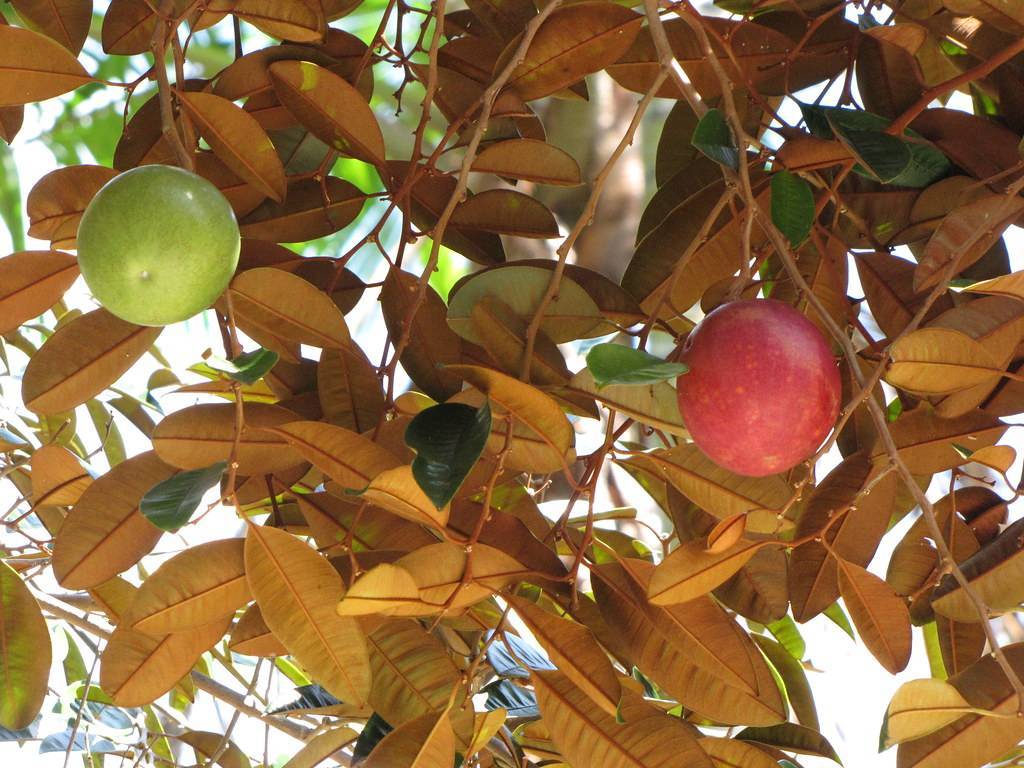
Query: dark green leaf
point(792, 206)
point(885, 156)
point(309, 697)
point(713, 137)
point(509, 664)
point(170, 504)
point(248, 368)
point(616, 364)
point(448, 439)
point(376, 728)
point(916, 163)
point(518, 701)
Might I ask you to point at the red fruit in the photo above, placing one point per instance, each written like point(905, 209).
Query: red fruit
point(763, 390)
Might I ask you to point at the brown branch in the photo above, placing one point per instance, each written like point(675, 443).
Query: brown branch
point(972, 74)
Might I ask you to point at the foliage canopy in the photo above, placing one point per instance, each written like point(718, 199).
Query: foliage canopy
point(445, 569)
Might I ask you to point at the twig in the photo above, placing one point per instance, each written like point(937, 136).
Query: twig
point(583, 221)
point(158, 45)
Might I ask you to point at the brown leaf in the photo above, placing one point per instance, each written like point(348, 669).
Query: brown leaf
point(32, 282)
point(503, 335)
point(881, 618)
point(252, 637)
point(926, 441)
point(57, 477)
point(718, 491)
point(994, 573)
point(958, 236)
point(35, 68)
point(198, 586)
point(426, 742)
point(128, 27)
point(529, 160)
point(302, 22)
point(82, 359)
point(813, 580)
point(238, 140)
point(895, 75)
point(432, 344)
point(332, 518)
point(572, 314)
point(413, 675)
point(57, 201)
point(136, 668)
point(960, 643)
point(243, 197)
point(586, 736)
point(547, 439)
point(332, 109)
point(66, 22)
point(439, 570)
point(309, 212)
point(201, 435)
point(348, 388)
point(694, 650)
point(505, 212)
point(940, 361)
point(297, 591)
point(571, 43)
point(320, 747)
point(207, 745)
point(11, 120)
point(692, 571)
point(573, 650)
point(428, 198)
point(287, 307)
point(397, 491)
point(973, 740)
point(105, 533)
point(888, 286)
point(349, 458)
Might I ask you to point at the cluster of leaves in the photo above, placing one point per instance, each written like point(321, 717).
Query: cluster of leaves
point(430, 555)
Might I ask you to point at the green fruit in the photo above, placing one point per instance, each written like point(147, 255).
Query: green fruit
point(157, 245)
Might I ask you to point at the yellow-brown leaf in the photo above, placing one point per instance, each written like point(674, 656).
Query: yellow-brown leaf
point(297, 591)
point(82, 359)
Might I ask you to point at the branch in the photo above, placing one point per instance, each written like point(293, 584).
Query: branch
point(159, 47)
point(583, 221)
point(203, 682)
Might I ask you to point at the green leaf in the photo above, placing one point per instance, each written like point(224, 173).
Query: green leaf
point(963, 450)
point(170, 504)
point(889, 159)
point(448, 439)
point(617, 364)
point(838, 616)
point(713, 137)
point(885, 156)
point(786, 632)
point(248, 368)
point(792, 206)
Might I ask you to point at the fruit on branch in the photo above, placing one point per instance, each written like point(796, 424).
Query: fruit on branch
point(763, 390)
point(157, 245)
